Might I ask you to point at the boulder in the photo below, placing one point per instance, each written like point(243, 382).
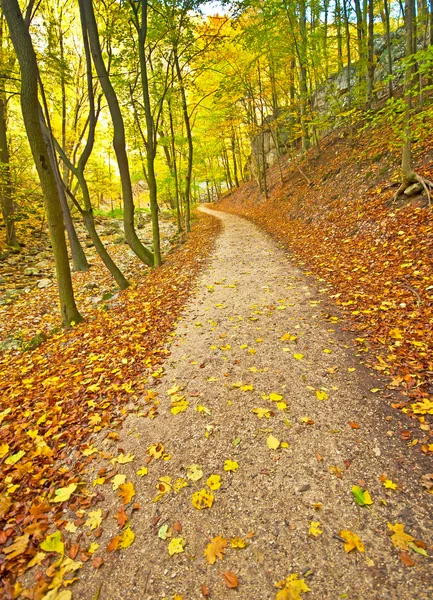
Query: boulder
point(44, 283)
point(30, 271)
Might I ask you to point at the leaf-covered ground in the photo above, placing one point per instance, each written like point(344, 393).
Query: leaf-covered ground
point(272, 470)
point(82, 381)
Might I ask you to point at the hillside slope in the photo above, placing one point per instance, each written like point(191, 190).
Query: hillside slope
point(334, 211)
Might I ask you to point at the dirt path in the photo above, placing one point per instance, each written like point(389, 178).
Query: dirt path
point(250, 296)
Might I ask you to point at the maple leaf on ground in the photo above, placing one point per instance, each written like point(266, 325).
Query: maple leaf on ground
point(18, 546)
point(95, 519)
point(53, 543)
point(293, 587)
point(127, 492)
point(215, 549)
point(118, 480)
point(238, 542)
point(314, 529)
point(400, 538)
point(352, 541)
point(121, 517)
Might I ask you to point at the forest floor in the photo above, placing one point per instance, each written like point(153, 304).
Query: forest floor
point(272, 448)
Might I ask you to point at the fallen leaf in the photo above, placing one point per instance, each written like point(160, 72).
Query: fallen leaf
point(362, 497)
point(315, 529)
point(399, 537)
point(214, 482)
point(230, 579)
point(95, 519)
point(53, 543)
point(121, 517)
point(231, 465)
point(176, 546)
point(272, 443)
point(63, 494)
point(194, 473)
point(215, 549)
point(238, 542)
point(202, 499)
point(293, 587)
point(352, 540)
point(127, 492)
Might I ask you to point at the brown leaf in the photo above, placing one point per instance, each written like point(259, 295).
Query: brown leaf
point(177, 526)
point(205, 591)
point(319, 457)
point(121, 517)
point(406, 559)
point(97, 561)
point(74, 551)
point(230, 579)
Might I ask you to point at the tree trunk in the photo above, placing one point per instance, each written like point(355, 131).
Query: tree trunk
point(119, 141)
point(303, 75)
point(174, 167)
point(190, 144)
point(7, 204)
point(151, 139)
point(388, 47)
point(30, 108)
point(370, 61)
point(235, 166)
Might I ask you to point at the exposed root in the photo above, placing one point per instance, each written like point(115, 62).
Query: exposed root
point(426, 184)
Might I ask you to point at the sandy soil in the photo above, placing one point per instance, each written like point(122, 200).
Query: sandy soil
point(250, 296)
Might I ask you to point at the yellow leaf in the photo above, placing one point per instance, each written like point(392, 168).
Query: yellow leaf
point(176, 546)
point(179, 406)
point(95, 519)
point(63, 494)
point(118, 480)
point(155, 450)
point(262, 413)
point(298, 357)
point(215, 549)
point(19, 546)
point(143, 471)
point(231, 465)
point(272, 443)
point(93, 547)
point(288, 336)
point(395, 334)
point(179, 484)
point(4, 449)
point(126, 538)
point(53, 543)
point(214, 482)
point(89, 451)
point(98, 481)
point(194, 473)
point(400, 538)
point(352, 540)
point(123, 459)
point(247, 388)
point(284, 445)
point(202, 499)
point(293, 588)
point(275, 397)
point(238, 542)
point(315, 528)
point(321, 395)
point(14, 458)
point(70, 527)
point(390, 485)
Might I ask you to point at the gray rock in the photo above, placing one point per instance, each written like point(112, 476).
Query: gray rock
point(9, 296)
point(413, 189)
point(44, 283)
point(10, 343)
point(30, 271)
point(43, 264)
point(90, 286)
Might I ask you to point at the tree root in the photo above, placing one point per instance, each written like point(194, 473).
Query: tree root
point(426, 184)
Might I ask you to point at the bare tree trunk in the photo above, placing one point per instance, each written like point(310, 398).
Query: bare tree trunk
point(150, 127)
point(30, 107)
point(174, 167)
point(190, 144)
point(7, 204)
point(119, 141)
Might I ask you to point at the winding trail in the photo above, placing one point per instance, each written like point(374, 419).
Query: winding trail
point(249, 297)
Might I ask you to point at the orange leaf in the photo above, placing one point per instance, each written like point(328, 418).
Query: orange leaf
point(406, 559)
point(205, 591)
point(127, 492)
point(114, 544)
point(230, 579)
point(353, 425)
point(121, 517)
point(215, 549)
